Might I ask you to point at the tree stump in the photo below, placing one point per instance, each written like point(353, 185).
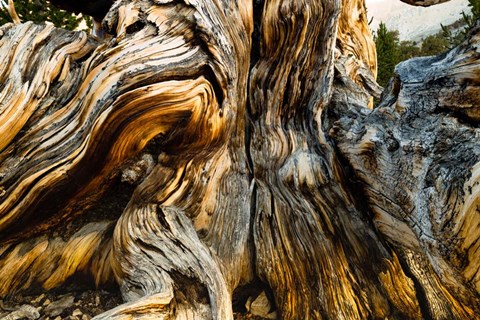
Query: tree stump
point(208, 147)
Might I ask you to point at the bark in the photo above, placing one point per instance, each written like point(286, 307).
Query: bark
point(424, 3)
point(210, 147)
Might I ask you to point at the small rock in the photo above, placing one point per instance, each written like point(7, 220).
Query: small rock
point(86, 317)
point(261, 307)
point(73, 318)
point(46, 302)
point(25, 311)
point(58, 318)
point(38, 299)
point(97, 300)
point(57, 307)
point(77, 313)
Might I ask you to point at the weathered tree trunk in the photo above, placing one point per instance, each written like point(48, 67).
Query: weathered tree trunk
point(188, 161)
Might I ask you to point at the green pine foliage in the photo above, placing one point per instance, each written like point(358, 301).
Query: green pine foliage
point(386, 42)
point(391, 51)
point(475, 13)
point(454, 38)
point(39, 11)
point(433, 45)
point(408, 50)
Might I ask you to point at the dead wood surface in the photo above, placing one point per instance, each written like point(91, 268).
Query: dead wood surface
point(211, 150)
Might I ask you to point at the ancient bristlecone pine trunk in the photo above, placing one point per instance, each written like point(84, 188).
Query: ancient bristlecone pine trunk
point(211, 148)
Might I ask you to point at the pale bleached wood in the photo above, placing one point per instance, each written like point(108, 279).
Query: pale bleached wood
point(301, 187)
point(12, 12)
point(417, 159)
point(272, 174)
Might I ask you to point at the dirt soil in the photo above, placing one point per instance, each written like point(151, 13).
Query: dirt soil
point(73, 306)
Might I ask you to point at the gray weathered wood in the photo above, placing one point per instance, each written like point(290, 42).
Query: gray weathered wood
point(188, 161)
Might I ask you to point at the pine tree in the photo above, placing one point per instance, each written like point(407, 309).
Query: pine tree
point(475, 15)
point(455, 38)
point(387, 53)
point(434, 44)
point(39, 11)
point(408, 50)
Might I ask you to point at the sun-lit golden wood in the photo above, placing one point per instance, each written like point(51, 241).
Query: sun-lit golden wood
point(213, 152)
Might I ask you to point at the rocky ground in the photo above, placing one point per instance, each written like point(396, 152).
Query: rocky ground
point(87, 304)
point(50, 306)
